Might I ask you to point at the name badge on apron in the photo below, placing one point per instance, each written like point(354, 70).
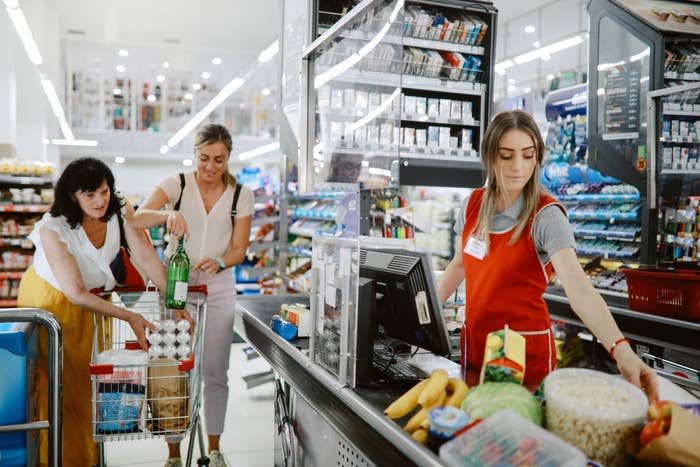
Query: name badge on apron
point(475, 247)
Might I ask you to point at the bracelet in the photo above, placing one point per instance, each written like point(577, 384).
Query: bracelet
point(614, 346)
point(220, 262)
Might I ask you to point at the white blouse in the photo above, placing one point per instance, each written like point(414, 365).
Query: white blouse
point(92, 262)
point(210, 234)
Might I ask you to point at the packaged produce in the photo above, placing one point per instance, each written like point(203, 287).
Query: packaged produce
point(300, 316)
point(504, 357)
point(168, 397)
point(670, 437)
point(506, 439)
point(486, 399)
point(444, 422)
point(601, 414)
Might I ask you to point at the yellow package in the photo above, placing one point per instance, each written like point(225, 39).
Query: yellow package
point(504, 357)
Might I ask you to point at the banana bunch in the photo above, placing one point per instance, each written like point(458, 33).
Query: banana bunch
point(437, 391)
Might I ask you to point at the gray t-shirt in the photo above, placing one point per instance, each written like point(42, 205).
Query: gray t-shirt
point(551, 231)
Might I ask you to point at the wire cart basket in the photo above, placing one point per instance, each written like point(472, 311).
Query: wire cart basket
point(138, 395)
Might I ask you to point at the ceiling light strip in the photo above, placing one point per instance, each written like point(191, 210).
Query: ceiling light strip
point(24, 33)
point(259, 151)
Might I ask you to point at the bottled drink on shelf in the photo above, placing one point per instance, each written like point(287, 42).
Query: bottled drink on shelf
point(178, 277)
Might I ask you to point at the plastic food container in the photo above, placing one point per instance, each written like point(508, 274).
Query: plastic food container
point(601, 414)
point(506, 439)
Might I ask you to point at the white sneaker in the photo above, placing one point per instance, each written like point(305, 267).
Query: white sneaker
point(174, 462)
point(217, 459)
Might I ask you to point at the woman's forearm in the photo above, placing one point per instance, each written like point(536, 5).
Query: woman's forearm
point(97, 305)
point(450, 280)
point(147, 218)
point(595, 314)
point(234, 256)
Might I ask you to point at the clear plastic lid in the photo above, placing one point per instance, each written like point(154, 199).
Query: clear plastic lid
point(506, 439)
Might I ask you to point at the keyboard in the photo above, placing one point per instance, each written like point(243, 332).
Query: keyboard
point(397, 371)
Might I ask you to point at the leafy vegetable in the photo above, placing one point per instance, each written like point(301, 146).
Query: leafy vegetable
point(488, 398)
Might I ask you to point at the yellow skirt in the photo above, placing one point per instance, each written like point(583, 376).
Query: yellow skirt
point(77, 326)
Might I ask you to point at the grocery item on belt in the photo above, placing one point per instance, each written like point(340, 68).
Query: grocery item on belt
point(504, 357)
point(300, 316)
point(670, 437)
point(599, 413)
point(486, 399)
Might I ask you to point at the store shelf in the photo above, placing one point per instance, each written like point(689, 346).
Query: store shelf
point(265, 198)
point(22, 180)
point(256, 247)
point(683, 113)
point(606, 234)
point(256, 272)
point(416, 42)
point(608, 253)
point(265, 220)
point(8, 303)
point(680, 139)
point(410, 82)
point(603, 216)
point(11, 274)
point(436, 170)
point(680, 172)
point(439, 120)
point(674, 75)
point(34, 208)
point(599, 198)
point(300, 251)
point(312, 215)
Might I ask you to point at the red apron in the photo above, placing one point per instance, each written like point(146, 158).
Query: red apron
point(506, 288)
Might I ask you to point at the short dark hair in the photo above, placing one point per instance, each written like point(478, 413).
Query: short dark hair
point(84, 174)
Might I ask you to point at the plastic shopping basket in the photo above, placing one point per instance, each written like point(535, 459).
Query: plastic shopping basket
point(675, 294)
point(140, 395)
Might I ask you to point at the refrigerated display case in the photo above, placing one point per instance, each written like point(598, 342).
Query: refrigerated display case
point(655, 47)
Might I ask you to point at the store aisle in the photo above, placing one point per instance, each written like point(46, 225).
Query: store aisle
point(248, 437)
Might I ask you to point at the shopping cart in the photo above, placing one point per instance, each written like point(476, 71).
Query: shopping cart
point(138, 395)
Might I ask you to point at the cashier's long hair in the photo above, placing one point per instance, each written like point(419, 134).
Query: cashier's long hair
point(500, 125)
point(215, 133)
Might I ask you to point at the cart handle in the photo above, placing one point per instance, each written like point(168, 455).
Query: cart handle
point(108, 368)
point(191, 288)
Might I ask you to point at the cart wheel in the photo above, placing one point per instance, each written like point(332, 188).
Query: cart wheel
point(204, 460)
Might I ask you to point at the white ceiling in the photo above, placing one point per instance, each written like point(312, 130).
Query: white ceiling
point(238, 29)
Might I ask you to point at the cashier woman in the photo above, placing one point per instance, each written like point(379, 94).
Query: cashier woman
point(513, 234)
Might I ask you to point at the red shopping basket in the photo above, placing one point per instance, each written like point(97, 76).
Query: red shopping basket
point(675, 294)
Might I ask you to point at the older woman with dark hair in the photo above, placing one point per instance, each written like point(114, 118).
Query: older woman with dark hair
point(75, 244)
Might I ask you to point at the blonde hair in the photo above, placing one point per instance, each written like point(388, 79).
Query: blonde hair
point(215, 133)
point(499, 126)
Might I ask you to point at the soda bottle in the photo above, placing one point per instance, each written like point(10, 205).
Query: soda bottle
point(178, 277)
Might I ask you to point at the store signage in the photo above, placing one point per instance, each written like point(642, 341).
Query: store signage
point(621, 99)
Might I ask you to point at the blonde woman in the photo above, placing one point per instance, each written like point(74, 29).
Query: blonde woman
point(216, 212)
point(513, 233)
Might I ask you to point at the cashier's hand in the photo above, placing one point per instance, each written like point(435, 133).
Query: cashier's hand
point(207, 266)
point(139, 324)
point(637, 372)
point(176, 224)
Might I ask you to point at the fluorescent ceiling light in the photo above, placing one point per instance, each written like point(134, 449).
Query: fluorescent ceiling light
point(373, 114)
point(336, 70)
point(511, 87)
point(550, 77)
point(500, 71)
point(503, 66)
point(188, 96)
point(123, 53)
point(530, 29)
point(545, 57)
point(47, 141)
point(187, 162)
point(511, 81)
point(548, 49)
point(24, 33)
point(160, 78)
point(11, 3)
point(117, 92)
point(229, 89)
point(75, 142)
point(166, 65)
point(119, 159)
point(527, 90)
point(205, 75)
point(607, 66)
point(266, 91)
point(640, 55)
point(600, 91)
point(536, 44)
point(164, 149)
point(151, 98)
point(217, 61)
point(56, 108)
point(196, 86)
point(259, 151)
point(396, 10)
point(269, 52)
point(121, 68)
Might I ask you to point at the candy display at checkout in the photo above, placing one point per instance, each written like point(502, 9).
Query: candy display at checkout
point(504, 357)
point(170, 340)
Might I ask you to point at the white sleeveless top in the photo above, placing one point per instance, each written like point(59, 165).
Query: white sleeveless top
point(92, 262)
point(210, 234)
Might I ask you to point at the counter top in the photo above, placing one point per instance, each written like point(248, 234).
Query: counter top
point(358, 412)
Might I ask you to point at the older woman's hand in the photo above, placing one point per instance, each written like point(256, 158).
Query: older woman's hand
point(637, 372)
point(139, 324)
point(176, 224)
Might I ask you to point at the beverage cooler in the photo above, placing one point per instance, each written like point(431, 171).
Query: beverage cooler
point(18, 358)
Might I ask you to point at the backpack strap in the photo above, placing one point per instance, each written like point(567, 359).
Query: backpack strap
point(182, 189)
point(122, 237)
point(234, 205)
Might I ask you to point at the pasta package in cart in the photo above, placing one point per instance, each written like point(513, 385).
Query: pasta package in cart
point(168, 396)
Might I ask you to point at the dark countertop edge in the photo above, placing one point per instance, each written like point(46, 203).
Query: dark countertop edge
point(388, 429)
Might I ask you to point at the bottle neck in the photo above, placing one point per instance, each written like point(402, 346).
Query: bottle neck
point(181, 243)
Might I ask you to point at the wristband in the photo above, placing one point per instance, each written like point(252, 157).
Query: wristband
point(614, 346)
point(220, 262)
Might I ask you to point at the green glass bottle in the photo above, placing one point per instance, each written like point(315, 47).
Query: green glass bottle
point(178, 277)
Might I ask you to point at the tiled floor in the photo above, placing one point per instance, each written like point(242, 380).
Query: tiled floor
point(248, 436)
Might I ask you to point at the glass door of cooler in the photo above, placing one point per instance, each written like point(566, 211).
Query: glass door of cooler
point(674, 187)
point(352, 92)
